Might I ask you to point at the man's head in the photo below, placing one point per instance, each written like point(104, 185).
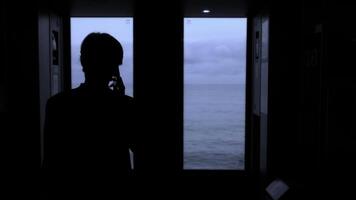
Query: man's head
point(100, 55)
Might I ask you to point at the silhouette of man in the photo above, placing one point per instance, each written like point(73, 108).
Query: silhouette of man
point(89, 128)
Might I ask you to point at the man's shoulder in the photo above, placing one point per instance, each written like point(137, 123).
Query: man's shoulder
point(78, 94)
point(62, 96)
point(128, 98)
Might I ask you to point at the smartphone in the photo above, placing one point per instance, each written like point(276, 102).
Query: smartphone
point(117, 84)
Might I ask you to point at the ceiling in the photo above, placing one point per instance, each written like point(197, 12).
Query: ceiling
point(192, 8)
point(101, 8)
point(218, 8)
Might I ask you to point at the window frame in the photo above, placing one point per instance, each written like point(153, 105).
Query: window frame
point(249, 147)
point(68, 81)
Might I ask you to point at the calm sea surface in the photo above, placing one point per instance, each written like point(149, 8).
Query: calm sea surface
point(214, 126)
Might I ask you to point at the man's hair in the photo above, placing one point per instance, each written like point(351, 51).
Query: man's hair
point(100, 50)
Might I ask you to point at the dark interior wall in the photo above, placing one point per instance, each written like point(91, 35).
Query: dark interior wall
point(312, 96)
point(285, 158)
point(158, 86)
point(3, 70)
point(23, 43)
point(3, 80)
point(295, 96)
point(339, 73)
point(283, 89)
point(44, 66)
point(291, 144)
point(19, 29)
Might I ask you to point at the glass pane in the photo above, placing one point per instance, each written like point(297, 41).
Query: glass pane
point(214, 93)
point(120, 28)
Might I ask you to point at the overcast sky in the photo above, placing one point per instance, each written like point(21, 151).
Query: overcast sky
point(120, 28)
point(214, 48)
